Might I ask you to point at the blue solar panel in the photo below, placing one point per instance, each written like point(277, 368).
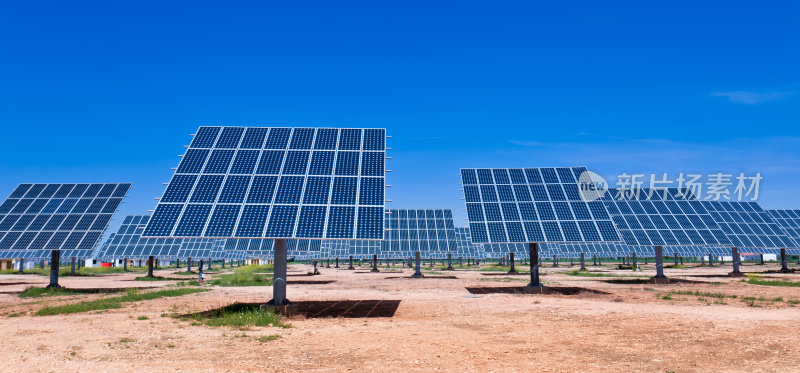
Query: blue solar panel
point(532, 205)
point(58, 216)
point(747, 225)
point(788, 221)
point(669, 217)
point(275, 176)
point(127, 242)
point(466, 248)
point(429, 231)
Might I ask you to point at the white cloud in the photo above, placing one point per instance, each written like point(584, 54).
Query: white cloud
point(750, 98)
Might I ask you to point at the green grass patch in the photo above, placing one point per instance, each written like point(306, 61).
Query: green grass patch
point(252, 275)
point(267, 338)
point(702, 294)
point(186, 273)
point(45, 292)
point(187, 283)
point(127, 340)
point(133, 295)
point(140, 318)
point(241, 315)
point(10, 272)
point(758, 280)
point(576, 272)
point(666, 297)
point(15, 314)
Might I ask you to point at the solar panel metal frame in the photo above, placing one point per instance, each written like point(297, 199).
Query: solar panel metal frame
point(276, 183)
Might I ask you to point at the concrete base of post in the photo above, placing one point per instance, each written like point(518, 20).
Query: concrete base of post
point(536, 290)
point(659, 280)
point(287, 310)
point(736, 274)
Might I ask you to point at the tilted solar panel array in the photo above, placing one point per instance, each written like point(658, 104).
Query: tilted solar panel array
point(429, 231)
point(466, 248)
point(789, 222)
point(199, 248)
point(600, 249)
point(36, 255)
point(336, 248)
point(515, 205)
point(58, 216)
point(747, 225)
point(259, 182)
point(669, 217)
point(127, 242)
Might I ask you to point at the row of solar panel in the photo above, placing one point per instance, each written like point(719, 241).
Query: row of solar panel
point(314, 190)
point(559, 175)
point(49, 240)
point(259, 221)
point(59, 206)
point(282, 162)
point(289, 138)
point(48, 191)
point(538, 211)
point(57, 222)
point(546, 231)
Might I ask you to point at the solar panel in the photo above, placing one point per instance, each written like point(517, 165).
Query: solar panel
point(260, 182)
point(127, 242)
point(260, 248)
point(668, 217)
point(500, 250)
point(466, 248)
point(515, 205)
point(199, 248)
point(747, 225)
point(429, 231)
point(58, 216)
point(789, 222)
point(600, 249)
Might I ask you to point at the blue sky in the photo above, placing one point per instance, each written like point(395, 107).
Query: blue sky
point(110, 91)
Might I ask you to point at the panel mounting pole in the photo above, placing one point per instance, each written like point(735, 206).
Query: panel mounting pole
point(417, 264)
point(659, 278)
point(351, 263)
point(535, 286)
point(72, 268)
point(150, 266)
point(449, 262)
point(279, 274)
point(583, 262)
point(374, 263)
point(55, 262)
point(784, 267)
point(736, 263)
point(511, 262)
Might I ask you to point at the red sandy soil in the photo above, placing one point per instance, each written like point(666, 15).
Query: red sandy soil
point(438, 326)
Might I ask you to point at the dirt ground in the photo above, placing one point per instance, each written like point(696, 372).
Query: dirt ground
point(439, 325)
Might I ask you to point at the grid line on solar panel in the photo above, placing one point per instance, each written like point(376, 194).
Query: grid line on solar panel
point(668, 217)
point(58, 216)
point(317, 171)
point(747, 225)
point(516, 205)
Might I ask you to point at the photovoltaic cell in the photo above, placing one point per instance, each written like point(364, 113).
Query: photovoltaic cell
point(127, 242)
point(747, 225)
point(429, 231)
point(258, 182)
